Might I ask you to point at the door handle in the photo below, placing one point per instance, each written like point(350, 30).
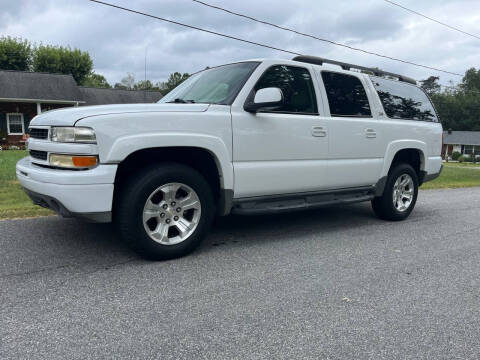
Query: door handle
point(370, 133)
point(319, 131)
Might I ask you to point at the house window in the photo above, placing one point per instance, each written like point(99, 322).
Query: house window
point(15, 124)
point(468, 149)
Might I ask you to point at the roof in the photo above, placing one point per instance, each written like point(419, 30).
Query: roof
point(38, 86)
point(462, 137)
point(100, 96)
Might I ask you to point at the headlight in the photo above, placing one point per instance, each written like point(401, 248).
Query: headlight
point(73, 161)
point(73, 135)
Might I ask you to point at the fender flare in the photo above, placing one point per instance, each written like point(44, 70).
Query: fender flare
point(126, 145)
point(395, 146)
point(392, 149)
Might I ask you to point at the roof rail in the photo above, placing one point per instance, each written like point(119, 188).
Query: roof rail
point(346, 66)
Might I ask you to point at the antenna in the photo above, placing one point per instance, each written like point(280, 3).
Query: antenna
point(145, 82)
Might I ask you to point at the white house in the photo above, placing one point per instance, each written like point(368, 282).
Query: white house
point(464, 142)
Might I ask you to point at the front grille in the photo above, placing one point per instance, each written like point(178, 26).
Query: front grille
point(38, 133)
point(40, 155)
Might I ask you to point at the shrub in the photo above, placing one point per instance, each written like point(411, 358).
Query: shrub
point(13, 147)
point(461, 158)
point(455, 155)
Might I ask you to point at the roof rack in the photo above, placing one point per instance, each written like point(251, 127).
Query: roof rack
point(346, 66)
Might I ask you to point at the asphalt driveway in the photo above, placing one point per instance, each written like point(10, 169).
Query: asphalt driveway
point(334, 283)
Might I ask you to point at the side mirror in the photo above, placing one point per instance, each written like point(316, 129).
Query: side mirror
point(270, 98)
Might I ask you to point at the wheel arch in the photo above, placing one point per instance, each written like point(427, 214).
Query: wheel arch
point(200, 159)
point(410, 152)
point(124, 147)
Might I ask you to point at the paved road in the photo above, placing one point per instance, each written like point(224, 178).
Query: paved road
point(334, 283)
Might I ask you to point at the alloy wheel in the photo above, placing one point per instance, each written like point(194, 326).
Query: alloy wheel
point(171, 213)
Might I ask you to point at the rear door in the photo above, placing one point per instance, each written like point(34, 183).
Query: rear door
point(356, 138)
point(284, 150)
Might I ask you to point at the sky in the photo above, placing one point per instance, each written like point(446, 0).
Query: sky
point(118, 41)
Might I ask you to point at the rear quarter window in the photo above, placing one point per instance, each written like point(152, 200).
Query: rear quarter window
point(404, 101)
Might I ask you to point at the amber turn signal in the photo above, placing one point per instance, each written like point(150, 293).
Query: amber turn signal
point(84, 161)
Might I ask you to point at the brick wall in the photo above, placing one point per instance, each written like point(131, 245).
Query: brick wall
point(29, 111)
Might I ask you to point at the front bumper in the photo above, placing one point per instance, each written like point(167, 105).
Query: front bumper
point(86, 194)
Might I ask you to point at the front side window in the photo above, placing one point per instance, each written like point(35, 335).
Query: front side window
point(346, 95)
point(15, 124)
point(296, 85)
point(219, 85)
point(404, 101)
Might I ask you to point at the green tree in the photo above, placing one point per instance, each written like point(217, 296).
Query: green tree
point(173, 81)
point(63, 60)
point(458, 109)
point(145, 85)
point(471, 80)
point(97, 81)
point(431, 85)
point(119, 86)
point(15, 54)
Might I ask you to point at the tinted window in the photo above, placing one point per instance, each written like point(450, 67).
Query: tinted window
point(404, 101)
point(296, 85)
point(346, 95)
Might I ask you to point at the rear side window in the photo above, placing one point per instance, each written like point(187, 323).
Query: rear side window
point(346, 95)
point(404, 101)
point(296, 85)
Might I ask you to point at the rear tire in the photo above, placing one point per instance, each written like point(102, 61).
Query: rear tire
point(399, 196)
point(165, 211)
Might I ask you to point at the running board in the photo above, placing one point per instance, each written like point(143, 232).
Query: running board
point(301, 201)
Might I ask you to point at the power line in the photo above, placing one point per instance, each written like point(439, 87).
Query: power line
point(432, 19)
point(323, 39)
point(195, 27)
point(253, 42)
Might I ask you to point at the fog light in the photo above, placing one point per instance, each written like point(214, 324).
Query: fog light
point(73, 161)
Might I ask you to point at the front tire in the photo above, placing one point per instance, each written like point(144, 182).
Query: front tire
point(399, 196)
point(165, 211)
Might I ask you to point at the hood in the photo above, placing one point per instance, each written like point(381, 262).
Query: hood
point(69, 116)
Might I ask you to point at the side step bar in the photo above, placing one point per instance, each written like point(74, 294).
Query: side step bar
point(301, 201)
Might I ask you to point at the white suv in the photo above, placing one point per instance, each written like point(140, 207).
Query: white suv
point(249, 137)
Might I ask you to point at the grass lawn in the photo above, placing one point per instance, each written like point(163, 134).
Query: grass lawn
point(13, 201)
point(464, 164)
point(456, 175)
point(15, 204)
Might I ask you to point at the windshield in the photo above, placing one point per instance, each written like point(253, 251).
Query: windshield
point(219, 85)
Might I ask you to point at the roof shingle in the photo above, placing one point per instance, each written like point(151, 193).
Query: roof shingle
point(38, 86)
point(462, 138)
point(100, 96)
point(63, 88)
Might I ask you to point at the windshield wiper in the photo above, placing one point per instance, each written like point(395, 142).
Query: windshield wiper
point(182, 101)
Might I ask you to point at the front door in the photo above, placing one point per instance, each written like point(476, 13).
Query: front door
point(284, 150)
